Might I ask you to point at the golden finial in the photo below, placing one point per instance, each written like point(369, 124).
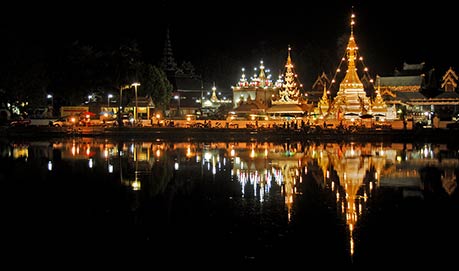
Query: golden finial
point(352, 20)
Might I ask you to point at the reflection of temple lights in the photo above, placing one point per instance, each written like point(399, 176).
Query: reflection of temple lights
point(131, 148)
point(135, 185)
point(90, 163)
point(252, 153)
point(106, 153)
point(238, 160)
point(214, 170)
point(110, 168)
point(232, 152)
point(328, 174)
point(158, 153)
point(73, 150)
point(188, 152)
point(176, 165)
point(207, 156)
point(50, 165)
point(399, 158)
point(88, 151)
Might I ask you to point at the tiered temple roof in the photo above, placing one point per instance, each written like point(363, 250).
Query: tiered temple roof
point(290, 91)
point(289, 99)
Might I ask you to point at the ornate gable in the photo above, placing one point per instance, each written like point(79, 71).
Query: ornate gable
point(449, 80)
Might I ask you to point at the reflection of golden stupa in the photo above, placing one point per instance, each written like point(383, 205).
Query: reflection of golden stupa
point(448, 180)
point(351, 164)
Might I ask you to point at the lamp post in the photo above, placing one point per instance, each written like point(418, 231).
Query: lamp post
point(50, 96)
point(109, 96)
point(177, 97)
point(135, 85)
point(120, 120)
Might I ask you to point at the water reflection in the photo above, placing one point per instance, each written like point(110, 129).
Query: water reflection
point(169, 185)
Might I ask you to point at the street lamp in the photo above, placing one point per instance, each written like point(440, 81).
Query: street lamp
point(177, 97)
point(108, 100)
point(120, 121)
point(49, 96)
point(135, 85)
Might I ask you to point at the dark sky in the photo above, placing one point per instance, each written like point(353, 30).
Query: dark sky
point(240, 33)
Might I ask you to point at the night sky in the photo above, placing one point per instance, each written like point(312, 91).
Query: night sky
point(220, 38)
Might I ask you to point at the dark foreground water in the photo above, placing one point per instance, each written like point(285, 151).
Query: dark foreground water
point(228, 204)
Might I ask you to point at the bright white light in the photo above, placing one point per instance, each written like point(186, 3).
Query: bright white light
point(110, 168)
point(207, 156)
point(50, 165)
point(176, 165)
point(90, 163)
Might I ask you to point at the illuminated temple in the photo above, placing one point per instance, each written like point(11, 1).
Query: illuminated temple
point(260, 95)
point(351, 100)
point(254, 95)
point(289, 99)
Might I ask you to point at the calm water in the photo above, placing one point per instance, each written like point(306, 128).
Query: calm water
point(230, 203)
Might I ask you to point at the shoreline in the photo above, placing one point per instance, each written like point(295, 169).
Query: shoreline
point(233, 134)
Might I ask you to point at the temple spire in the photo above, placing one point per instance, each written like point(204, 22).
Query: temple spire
point(351, 99)
point(262, 75)
point(290, 90)
point(351, 52)
point(168, 63)
point(214, 97)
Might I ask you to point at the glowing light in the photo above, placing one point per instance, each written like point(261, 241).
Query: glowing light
point(50, 165)
point(176, 165)
point(207, 156)
point(135, 185)
point(90, 163)
point(110, 168)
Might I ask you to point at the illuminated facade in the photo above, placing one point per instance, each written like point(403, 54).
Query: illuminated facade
point(257, 90)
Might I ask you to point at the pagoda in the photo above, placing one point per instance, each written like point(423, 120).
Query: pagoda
point(378, 106)
point(289, 99)
point(324, 103)
point(351, 99)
